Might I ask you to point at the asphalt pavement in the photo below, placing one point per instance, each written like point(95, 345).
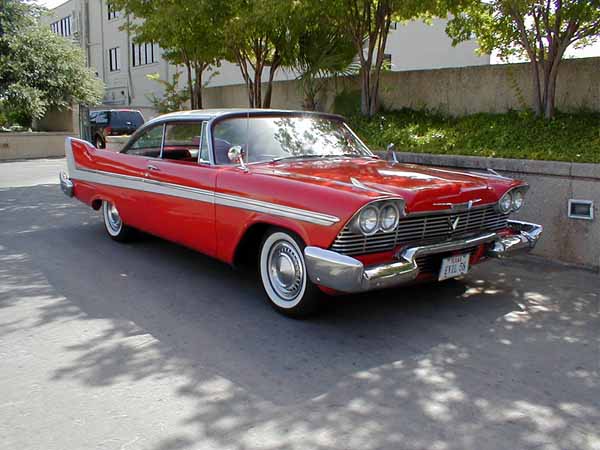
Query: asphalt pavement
point(149, 345)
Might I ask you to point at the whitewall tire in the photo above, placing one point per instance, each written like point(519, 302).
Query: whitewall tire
point(283, 274)
point(113, 223)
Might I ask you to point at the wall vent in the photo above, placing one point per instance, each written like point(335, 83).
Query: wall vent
point(581, 209)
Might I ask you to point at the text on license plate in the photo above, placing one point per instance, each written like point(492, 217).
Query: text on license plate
point(454, 266)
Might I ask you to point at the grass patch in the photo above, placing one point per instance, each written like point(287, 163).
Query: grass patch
point(569, 137)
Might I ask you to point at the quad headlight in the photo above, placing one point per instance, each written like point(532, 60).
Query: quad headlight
point(378, 216)
point(518, 198)
point(388, 217)
point(368, 220)
point(513, 200)
point(505, 203)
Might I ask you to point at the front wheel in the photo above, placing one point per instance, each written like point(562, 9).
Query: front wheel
point(113, 223)
point(284, 277)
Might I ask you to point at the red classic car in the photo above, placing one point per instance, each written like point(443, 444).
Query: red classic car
point(303, 197)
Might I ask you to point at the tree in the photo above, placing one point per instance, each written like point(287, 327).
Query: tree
point(324, 51)
point(261, 34)
point(540, 30)
point(173, 99)
point(190, 32)
point(53, 76)
point(368, 22)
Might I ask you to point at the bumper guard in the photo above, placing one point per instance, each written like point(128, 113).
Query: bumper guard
point(66, 184)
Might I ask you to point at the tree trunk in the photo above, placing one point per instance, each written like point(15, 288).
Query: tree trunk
point(537, 91)
point(365, 91)
point(198, 86)
point(190, 83)
point(550, 100)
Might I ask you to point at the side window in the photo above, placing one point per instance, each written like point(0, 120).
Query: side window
point(182, 141)
point(148, 143)
point(102, 118)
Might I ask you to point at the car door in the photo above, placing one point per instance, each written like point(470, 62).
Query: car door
point(184, 210)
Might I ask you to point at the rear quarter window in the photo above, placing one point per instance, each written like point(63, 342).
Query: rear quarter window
point(126, 119)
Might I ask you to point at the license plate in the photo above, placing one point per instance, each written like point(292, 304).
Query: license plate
point(454, 266)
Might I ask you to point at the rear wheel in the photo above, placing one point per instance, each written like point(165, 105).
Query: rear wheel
point(99, 143)
point(284, 277)
point(113, 223)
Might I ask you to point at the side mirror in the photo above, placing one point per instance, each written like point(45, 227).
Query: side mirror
point(236, 154)
point(390, 154)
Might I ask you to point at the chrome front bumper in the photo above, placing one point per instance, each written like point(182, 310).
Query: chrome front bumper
point(66, 184)
point(346, 274)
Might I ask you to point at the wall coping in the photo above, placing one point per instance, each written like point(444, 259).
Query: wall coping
point(525, 166)
point(35, 133)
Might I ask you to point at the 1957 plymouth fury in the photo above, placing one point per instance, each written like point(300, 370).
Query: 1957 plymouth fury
point(303, 197)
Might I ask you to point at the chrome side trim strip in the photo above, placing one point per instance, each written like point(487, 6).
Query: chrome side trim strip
point(206, 196)
point(235, 201)
point(143, 184)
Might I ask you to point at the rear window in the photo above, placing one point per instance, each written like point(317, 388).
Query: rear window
point(126, 119)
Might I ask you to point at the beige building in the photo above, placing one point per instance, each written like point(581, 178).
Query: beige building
point(124, 66)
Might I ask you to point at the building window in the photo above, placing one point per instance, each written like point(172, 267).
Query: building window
point(142, 54)
point(114, 56)
point(387, 60)
point(394, 26)
point(62, 27)
point(112, 12)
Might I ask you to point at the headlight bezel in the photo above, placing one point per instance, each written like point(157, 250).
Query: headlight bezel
point(378, 206)
point(512, 193)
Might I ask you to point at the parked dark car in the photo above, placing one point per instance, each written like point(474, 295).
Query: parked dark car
point(113, 122)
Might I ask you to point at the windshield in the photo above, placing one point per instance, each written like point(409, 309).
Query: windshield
point(276, 138)
point(126, 119)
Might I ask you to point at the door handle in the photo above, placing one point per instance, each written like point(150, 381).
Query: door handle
point(152, 167)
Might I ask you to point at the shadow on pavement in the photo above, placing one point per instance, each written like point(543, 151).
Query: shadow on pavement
point(506, 358)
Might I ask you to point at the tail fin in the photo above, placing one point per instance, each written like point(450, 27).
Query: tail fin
point(78, 152)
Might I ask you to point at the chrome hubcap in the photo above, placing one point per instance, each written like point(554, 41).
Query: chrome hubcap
point(113, 217)
point(286, 272)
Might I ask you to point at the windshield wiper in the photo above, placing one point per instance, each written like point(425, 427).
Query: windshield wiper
point(281, 158)
point(325, 155)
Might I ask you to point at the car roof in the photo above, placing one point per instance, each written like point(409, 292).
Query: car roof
point(207, 114)
point(115, 110)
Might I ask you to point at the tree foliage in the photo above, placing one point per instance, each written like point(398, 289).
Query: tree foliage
point(174, 99)
point(540, 30)
point(53, 76)
point(261, 34)
point(190, 32)
point(324, 50)
point(368, 22)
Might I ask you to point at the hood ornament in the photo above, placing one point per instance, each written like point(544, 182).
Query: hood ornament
point(359, 184)
point(466, 206)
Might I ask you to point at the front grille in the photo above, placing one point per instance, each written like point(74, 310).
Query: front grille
point(430, 228)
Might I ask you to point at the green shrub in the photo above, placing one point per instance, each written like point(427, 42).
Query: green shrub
point(569, 137)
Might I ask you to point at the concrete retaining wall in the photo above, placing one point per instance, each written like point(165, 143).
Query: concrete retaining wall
point(32, 145)
point(574, 241)
point(460, 91)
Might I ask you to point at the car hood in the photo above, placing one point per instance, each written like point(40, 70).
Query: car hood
point(423, 188)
